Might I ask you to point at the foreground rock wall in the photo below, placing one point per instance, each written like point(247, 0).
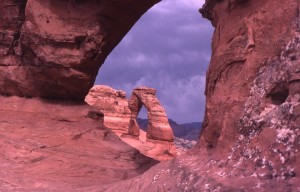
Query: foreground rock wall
point(253, 87)
point(53, 49)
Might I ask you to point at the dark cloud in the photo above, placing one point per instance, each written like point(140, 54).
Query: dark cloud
point(168, 49)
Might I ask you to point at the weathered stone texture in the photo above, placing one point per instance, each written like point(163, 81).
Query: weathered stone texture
point(53, 49)
point(113, 104)
point(250, 137)
point(120, 116)
point(60, 146)
point(158, 125)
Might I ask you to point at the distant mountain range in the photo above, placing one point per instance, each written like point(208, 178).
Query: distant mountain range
point(187, 131)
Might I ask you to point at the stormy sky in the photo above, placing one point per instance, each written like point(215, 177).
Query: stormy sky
point(167, 49)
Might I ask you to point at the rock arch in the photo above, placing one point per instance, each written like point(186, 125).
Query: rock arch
point(61, 43)
point(158, 126)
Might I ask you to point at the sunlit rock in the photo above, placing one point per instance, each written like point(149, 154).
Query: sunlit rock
point(120, 116)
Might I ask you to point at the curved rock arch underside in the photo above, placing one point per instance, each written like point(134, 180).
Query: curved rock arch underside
point(250, 138)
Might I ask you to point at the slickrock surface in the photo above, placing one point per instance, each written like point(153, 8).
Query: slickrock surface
point(51, 145)
point(185, 135)
point(120, 116)
point(113, 104)
point(156, 149)
point(53, 49)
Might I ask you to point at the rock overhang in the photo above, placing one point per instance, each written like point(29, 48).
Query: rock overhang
point(61, 43)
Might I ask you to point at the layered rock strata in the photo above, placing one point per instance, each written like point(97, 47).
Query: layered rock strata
point(113, 104)
point(158, 125)
point(120, 116)
point(53, 49)
point(252, 88)
point(250, 139)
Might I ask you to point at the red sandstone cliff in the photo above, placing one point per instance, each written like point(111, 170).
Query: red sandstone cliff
point(250, 139)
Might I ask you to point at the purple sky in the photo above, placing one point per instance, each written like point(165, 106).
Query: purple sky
point(167, 49)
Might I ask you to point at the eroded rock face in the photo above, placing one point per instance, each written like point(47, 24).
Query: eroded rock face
point(113, 104)
point(250, 138)
point(252, 96)
point(53, 49)
point(158, 125)
point(60, 146)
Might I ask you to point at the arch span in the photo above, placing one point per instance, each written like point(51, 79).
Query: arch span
point(158, 126)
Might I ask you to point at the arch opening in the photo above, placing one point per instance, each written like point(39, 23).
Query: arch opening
point(170, 53)
point(158, 127)
point(142, 119)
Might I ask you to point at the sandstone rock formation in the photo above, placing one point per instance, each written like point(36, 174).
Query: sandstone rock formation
point(158, 125)
point(252, 88)
point(185, 135)
point(250, 137)
point(113, 104)
point(53, 49)
point(120, 116)
point(156, 149)
point(54, 145)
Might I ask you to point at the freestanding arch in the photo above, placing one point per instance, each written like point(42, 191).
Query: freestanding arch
point(158, 125)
